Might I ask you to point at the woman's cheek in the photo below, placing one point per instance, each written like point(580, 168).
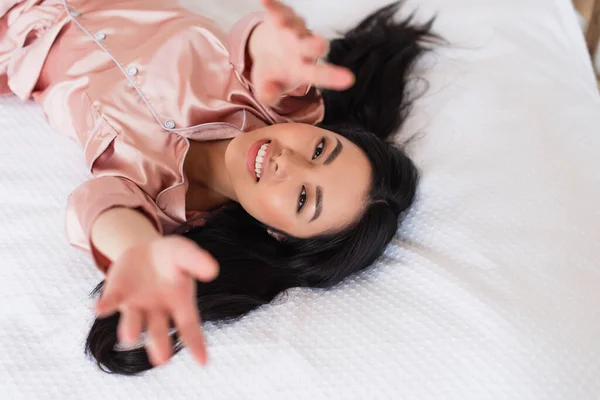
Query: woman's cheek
point(275, 208)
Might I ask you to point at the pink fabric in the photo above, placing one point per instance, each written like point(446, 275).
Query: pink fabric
point(133, 81)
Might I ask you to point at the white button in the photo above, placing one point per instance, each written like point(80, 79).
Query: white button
point(100, 36)
point(75, 13)
point(132, 71)
point(170, 124)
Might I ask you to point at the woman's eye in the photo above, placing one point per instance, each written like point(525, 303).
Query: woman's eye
point(301, 199)
point(319, 150)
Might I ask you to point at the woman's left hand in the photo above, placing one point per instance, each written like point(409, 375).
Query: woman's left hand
point(284, 54)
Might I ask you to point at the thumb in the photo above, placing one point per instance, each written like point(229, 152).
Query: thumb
point(195, 261)
point(271, 92)
point(110, 299)
point(266, 88)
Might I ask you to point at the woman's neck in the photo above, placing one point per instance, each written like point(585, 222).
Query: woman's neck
point(205, 166)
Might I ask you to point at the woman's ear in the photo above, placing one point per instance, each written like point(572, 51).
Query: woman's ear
point(280, 237)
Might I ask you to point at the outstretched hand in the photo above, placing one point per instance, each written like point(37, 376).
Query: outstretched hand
point(284, 54)
point(152, 284)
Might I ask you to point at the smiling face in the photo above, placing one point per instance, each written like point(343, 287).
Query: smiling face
point(298, 178)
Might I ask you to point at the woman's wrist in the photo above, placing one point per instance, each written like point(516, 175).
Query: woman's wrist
point(255, 42)
point(117, 229)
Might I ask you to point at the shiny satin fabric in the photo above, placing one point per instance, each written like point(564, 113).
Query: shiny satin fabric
point(133, 81)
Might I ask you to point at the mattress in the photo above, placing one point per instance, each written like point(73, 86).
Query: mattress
point(491, 289)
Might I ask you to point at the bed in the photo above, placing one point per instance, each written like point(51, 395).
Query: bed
point(491, 289)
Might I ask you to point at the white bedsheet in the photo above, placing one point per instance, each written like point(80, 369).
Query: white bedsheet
point(491, 291)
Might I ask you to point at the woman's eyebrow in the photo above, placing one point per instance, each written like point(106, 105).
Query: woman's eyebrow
point(336, 152)
point(319, 197)
point(319, 204)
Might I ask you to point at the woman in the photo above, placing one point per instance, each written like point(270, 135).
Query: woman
point(186, 215)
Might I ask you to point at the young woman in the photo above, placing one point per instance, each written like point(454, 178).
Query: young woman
point(222, 175)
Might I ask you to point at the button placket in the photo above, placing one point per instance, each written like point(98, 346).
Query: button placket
point(131, 71)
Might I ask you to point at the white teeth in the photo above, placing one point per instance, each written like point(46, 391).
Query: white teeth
point(260, 157)
point(257, 168)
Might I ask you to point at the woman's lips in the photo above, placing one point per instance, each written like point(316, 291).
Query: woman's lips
point(251, 157)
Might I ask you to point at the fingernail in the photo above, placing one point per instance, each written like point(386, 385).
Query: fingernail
point(153, 355)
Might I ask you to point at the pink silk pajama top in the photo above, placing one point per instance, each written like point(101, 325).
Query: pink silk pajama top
point(133, 81)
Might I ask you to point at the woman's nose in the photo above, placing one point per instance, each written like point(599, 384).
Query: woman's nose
point(289, 164)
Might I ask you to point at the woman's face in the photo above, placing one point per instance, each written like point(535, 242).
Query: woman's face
point(298, 178)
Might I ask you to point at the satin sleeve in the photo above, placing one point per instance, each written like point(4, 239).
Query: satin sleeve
point(302, 104)
point(96, 196)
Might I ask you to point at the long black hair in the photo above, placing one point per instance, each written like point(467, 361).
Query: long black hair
point(254, 266)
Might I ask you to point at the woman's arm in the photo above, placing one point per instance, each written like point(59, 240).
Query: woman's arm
point(119, 228)
point(105, 215)
point(150, 278)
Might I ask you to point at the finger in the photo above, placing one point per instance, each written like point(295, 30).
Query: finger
point(266, 83)
point(130, 325)
point(187, 320)
point(285, 16)
point(276, 7)
point(270, 92)
point(313, 47)
point(159, 346)
point(328, 76)
point(111, 297)
point(267, 3)
point(293, 22)
point(108, 304)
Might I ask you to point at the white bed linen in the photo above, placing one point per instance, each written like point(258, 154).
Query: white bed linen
point(491, 290)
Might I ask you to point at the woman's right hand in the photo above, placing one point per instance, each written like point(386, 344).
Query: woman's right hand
point(284, 57)
point(153, 283)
